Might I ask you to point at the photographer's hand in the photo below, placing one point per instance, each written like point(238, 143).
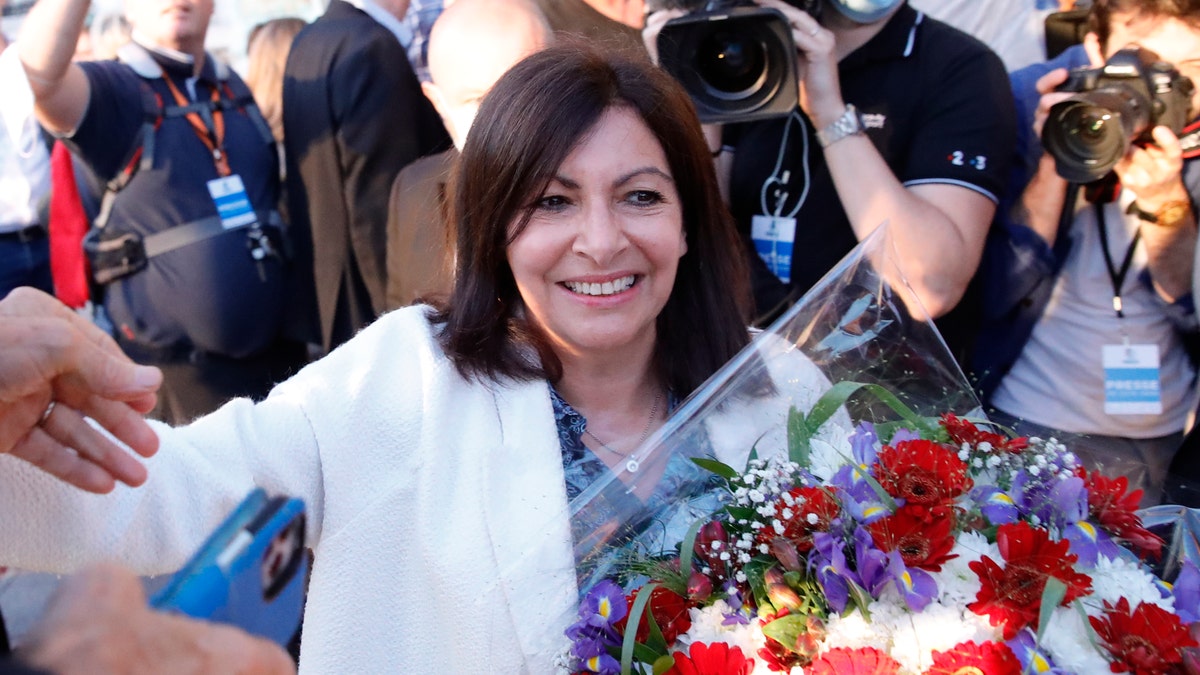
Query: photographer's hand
point(1154, 173)
point(820, 89)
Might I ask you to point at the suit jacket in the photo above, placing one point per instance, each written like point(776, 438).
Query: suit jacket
point(353, 116)
point(420, 245)
point(578, 18)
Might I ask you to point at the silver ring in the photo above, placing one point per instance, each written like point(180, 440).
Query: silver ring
point(46, 413)
point(814, 31)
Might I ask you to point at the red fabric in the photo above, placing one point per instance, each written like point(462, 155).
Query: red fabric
point(68, 224)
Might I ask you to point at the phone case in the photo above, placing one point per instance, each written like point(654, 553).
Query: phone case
point(251, 571)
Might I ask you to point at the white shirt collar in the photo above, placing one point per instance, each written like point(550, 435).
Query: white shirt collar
point(385, 18)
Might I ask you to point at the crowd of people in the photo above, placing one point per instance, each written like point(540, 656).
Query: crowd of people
point(426, 253)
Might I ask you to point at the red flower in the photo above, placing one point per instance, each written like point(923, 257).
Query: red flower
point(1012, 595)
point(715, 659)
point(990, 658)
point(1147, 641)
point(922, 544)
point(926, 475)
point(961, 431)
point(817, 502)
point(861, 661)
point(670, 612)
point(1115, 511)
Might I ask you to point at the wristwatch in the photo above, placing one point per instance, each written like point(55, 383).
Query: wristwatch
point(1167, 215)
point(849, 124)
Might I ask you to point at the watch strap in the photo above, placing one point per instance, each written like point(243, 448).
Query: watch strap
point(849, 124)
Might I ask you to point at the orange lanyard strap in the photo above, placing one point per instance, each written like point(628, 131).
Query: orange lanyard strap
point(214, 137)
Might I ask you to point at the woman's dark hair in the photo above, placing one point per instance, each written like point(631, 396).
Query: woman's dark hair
point(527, 125)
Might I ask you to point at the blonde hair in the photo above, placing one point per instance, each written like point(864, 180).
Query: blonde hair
point(267, 56)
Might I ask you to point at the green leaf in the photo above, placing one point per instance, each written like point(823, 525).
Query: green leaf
point(798, 437)
point(720, 468)
point(1052, 597)
point(860, 598)
point(786, 629)
point(742, 513)
point(663, 664)
point(655, 640)
point(688, 547)
point(635, 618)
point(829, 403)
point(645, 654)
point(880, 493)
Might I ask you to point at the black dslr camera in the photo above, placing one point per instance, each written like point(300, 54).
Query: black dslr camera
point(1115, 106)
point(736, 61)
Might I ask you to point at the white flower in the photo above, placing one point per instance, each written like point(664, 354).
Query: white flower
point(1066, 641)
point(829, 450)
point(1121, 578)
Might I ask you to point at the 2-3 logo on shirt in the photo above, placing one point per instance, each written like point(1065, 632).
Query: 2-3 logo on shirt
point(958, 158)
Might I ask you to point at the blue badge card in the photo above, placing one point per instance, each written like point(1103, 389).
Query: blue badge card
point(233, 206)
point(773, 238)
point(1131, 380)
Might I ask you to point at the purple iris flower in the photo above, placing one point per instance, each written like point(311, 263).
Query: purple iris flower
point(1052, 500)
point(917, 586)
point(863, 444)
point(1187, 593)
point(872, 563)
point(1085, 541)
point(828, 561)
point(1033, 660)
point(995, 505)
point(902, 435)
point(857, 498)
point(733, 597)
point(593, 634)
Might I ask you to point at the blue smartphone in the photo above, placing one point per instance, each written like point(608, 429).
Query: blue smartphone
point(250, 573)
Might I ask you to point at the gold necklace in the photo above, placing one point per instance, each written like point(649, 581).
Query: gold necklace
point(631, 463)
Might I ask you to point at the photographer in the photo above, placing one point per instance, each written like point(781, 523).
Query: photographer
point(902, 119)
point(1088, 304)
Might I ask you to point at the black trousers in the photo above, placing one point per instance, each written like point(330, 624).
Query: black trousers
point(196, 383)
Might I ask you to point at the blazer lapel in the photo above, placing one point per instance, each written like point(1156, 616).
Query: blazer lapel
point(529, 523)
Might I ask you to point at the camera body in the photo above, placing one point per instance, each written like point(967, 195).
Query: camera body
point(737, 61)
point(1113, 107)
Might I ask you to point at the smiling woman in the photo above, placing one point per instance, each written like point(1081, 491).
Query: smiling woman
point(599, 282)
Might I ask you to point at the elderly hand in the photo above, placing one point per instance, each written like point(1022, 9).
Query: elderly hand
point(99, 623)
point(55, 369)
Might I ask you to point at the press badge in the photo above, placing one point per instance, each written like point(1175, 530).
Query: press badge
point(233, 206)
point(773, 238)
point(1131, 380)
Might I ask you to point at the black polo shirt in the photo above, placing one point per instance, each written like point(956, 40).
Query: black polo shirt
point(937, 106)
point(209, 294)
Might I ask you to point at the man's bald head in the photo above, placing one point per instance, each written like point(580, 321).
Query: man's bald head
point(472, 44)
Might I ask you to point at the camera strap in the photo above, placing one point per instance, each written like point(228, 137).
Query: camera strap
point(1117, 276)
point(1189, 140)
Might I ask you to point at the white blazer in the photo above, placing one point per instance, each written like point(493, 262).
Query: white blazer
point(437, 507)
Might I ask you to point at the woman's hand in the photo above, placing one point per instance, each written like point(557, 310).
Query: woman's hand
point(820, 89)
point(56, 368)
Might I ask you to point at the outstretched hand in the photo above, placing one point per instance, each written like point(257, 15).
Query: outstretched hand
point(55, 369)
point(98, 622)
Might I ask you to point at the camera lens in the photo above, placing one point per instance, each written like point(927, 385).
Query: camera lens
point(1091, 133)
point(732, 64)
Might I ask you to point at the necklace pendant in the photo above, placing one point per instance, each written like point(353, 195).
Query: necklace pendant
point(632, 465)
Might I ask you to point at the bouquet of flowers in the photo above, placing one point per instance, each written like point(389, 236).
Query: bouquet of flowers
point(834, 502)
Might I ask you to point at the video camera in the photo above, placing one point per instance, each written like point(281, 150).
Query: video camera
point(737, 61)
point(1114, 106)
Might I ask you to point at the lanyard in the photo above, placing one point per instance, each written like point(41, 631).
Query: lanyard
point(213, 137)
point(1117, 276)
